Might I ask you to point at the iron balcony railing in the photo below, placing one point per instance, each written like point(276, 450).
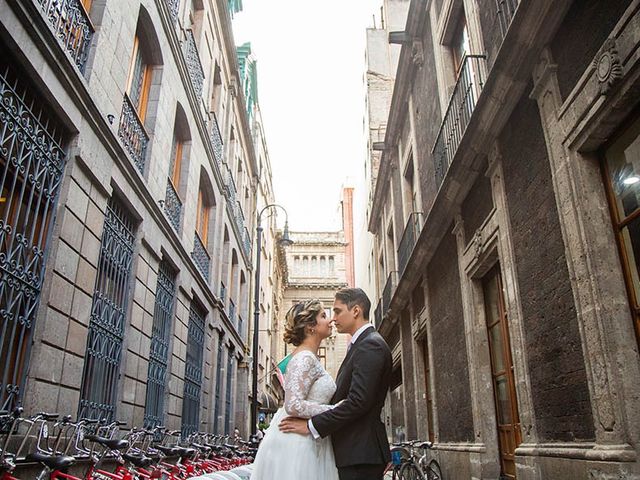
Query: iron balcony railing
point(387, 292)
point(133, 134)
point(246, 242)
point(201, 257)
point(506, 9)
point(230, 184)
point(461, 105)
point(173, 6)
point(378, 315)
point(240, 327)
point(173, 206)
point(409, 238)
point(216, 140)
point(72, 27)
point(232, 312)
point(196, 72)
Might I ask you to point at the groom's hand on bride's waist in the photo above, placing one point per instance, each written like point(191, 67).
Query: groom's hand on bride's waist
point(294, 425)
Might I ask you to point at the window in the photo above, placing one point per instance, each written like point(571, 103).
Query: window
point(98, 392)
point(622, 179)
point(322, 355)
point(139, 82)
point(159, 355)
point(176, 161)
point(193, 371)
point(32, 142)
point(202, 217)
point(460, 44)
point(219, 371)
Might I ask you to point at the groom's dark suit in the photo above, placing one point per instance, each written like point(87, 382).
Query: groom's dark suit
point(358, 436)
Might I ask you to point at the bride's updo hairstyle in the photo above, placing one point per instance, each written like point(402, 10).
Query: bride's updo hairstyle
point(298, 318)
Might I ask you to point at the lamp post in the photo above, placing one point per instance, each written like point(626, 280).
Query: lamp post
point(284, 241)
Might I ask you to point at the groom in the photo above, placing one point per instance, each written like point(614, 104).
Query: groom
point(358, 436)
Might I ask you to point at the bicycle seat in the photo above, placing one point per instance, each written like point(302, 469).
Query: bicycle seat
point(169, 451)
point(202, 448)
point(56, 462)
point(426, 444)
point(110, 443)
point(139, 461)
point(185, 452)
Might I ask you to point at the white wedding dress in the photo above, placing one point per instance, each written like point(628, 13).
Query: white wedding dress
point(289, 456)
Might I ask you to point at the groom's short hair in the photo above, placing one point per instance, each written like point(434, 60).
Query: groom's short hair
point(355, 296)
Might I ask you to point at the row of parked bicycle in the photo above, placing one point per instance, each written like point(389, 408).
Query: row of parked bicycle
point(48, 446)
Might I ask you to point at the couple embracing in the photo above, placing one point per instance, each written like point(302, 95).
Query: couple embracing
point(329, 430)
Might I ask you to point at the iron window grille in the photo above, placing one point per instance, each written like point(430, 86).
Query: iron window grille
point(159, 354)
point(219, 372)
point(193, 371)
point(98, 392)
point(227, 409)
point(32, 162)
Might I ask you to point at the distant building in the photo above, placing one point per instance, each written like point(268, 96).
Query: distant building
point(504, 211)
point(318, 264)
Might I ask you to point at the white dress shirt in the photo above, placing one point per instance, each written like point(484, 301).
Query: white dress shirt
point(355, 336)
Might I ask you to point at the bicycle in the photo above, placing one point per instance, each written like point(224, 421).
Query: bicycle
point(407, 465)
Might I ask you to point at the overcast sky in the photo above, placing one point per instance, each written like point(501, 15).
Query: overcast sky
point(310, 89)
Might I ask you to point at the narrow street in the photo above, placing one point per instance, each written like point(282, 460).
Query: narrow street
point(193, 192)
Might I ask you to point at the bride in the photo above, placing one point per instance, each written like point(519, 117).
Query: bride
point(308, 389)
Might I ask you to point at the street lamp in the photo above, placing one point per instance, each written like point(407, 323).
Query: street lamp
point(284, 241)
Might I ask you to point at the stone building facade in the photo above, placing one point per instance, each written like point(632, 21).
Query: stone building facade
point(316, 269)
point(129, 194)
point(318, 264)
point(504, 211)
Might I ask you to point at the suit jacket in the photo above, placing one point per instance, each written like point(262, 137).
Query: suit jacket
point(357, 433)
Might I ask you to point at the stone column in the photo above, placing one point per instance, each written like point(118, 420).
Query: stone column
point(484, 453)
point(608, 341)
point(526, 467)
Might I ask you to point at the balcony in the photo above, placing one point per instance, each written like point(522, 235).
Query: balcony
point(246, 242)
point(216, 141)
point(173, 6)
point(506, 9)
point(232, 312)
point(133, 135)
point(461, 105)
point(409, 238)
point(191, 56)
point(71, 26)
point(201, 257)
point(387, 293)
point(223, 292)
point(240, 326)
point(377, 317)
point(173, 206)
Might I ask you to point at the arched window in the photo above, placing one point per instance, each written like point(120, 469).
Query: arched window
point(201, 241)
point(139, 82)
point(179, 151)
point(202, 217)
point(137, 119)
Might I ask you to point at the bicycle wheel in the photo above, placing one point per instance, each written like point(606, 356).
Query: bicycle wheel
point(410, 471)
point(433, 471)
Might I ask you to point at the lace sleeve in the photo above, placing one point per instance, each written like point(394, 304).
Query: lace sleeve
point(303, 370)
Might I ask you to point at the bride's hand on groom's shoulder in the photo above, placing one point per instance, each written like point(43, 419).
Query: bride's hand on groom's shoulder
point(294, 425)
